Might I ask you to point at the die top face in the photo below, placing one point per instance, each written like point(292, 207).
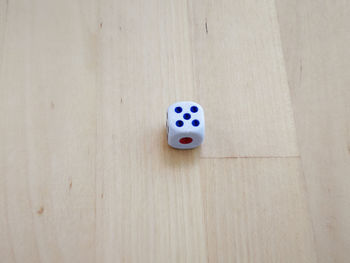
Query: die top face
point(185, 116)
point(185, 124)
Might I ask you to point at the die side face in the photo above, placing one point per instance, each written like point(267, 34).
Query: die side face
point(185, 125)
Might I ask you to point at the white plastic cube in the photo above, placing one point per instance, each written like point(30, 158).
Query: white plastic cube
point(185, 125)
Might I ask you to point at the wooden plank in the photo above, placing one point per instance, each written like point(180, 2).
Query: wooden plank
point(47, 127)
point(316, 44)
point(255, 211)
point(241, 81)
point(149, 207)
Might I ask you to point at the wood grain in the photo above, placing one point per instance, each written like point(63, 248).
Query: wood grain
point(316, 42)
point(149, 197)
point(241, 80)
point(86, 174)
point(247, 218)
point(48, 131)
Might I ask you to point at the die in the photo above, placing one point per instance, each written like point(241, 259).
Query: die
point(185, 125)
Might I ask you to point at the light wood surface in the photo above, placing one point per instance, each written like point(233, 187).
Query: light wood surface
point(241, 80)
point(316, 40)
point(86, 174)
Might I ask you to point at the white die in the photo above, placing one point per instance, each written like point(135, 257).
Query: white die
point(185, 125)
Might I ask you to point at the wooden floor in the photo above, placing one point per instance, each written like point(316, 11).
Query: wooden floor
point(85, 171)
